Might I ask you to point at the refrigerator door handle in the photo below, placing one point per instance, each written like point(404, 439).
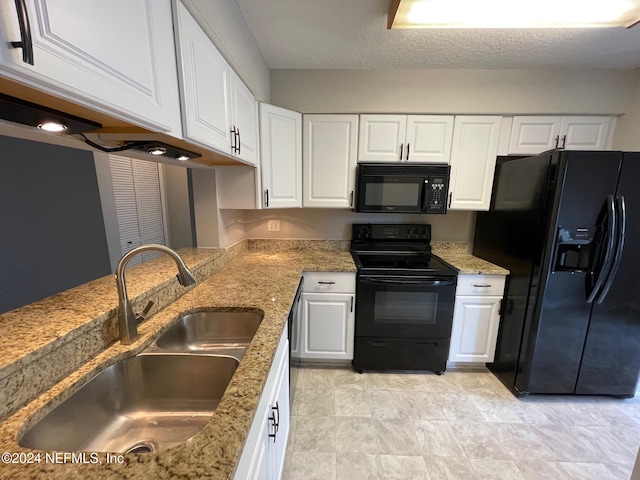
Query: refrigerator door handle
point(608, 257)
point(622, 229)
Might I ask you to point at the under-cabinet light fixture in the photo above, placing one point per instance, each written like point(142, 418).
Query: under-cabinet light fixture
point(513, 14)
point(19, 111)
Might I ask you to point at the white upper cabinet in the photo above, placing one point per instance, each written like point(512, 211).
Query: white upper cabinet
point(281, 156)
point(117, 57)
point(429, 138)
point(244, 119)
point(329, 160)
point(473, 160)
point(204, 82)
point(531, 135)
point(405, 138)
point(218, 111)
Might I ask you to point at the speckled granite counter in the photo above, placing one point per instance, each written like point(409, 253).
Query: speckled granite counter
point(263, 280)
point(457, 255)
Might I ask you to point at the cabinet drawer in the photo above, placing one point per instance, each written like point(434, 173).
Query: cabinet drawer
point(481, 285)
point(317, 282)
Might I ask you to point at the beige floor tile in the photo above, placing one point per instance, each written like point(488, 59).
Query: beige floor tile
point(588, 471)
point(537, 470)
point(566, 443)
point(621, 471)
point(352, 403)
point(396, 381)
point(461, 425)
point(309, 466)
point(292, 433)
point(490, 469)
point(396, 437)
point(449, 468)
point(399, 404)
point(356, 435)
point(437, 439)
point(458, 407)
point(315, 434)
point(497, 408)
point(358, 466)
point(474, 381)
point(403, 467)
point(479, 440)
point(522, 442)
point(314, 402)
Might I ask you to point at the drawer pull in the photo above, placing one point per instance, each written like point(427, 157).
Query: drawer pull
point(326, 283)
point(486, 285)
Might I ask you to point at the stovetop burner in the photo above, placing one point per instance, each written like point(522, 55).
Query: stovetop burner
point(395, 250)
point(399, 261)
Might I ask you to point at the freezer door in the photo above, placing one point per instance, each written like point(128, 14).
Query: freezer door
point(611, 359)
point(557, 323)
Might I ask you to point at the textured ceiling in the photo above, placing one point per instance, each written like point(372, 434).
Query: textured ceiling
point(352, 34)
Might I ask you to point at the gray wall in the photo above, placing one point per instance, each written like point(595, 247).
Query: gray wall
point(178, 208)
point(627, 134)
point(463, 91)
point(52, 235)
point(225, 24)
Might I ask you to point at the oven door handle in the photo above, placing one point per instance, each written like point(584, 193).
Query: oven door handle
point(427, 281)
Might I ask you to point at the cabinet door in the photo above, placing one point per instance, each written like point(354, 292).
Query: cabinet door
point(116, 56)
point(532, 135)
point(382, 138)
point(429, 138)
point(584, 133)
point(204, 85)
point(281, 156)
point(280, 412)
point(475, 329)
point(329, 160)
point(327, 326)
point(473, 160)
point(244, 120)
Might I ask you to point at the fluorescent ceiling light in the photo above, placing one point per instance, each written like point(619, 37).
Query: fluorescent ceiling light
point(513, 13)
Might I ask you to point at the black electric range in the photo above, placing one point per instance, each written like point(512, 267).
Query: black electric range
point(405, 297)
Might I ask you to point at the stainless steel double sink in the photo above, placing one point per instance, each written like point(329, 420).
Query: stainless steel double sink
point(157, 399)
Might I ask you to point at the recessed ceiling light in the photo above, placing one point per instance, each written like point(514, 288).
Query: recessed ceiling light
point(55, 127)
point(157, 150)
point(183, 158)
point(512, 14)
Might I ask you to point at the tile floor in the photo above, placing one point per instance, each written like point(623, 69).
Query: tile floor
point(462, 425)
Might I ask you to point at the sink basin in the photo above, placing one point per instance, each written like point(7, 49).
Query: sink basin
point(141, 404)
point(219, 332)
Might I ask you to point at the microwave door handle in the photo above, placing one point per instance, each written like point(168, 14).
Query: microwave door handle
point(609, 249)
point(425, 195)
point(620, 237)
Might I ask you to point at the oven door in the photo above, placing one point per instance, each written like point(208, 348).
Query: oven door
point(394, 306)
point(390, 193)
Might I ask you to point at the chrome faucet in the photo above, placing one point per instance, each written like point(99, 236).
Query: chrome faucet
point(127, 320)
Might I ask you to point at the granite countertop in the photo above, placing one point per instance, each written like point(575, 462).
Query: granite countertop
point(258, 280)
point(457, 255)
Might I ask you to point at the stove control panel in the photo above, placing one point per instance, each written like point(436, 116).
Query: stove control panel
point(368, 231)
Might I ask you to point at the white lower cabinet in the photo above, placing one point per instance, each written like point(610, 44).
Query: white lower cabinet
point(327, 318)
point(476, 318)
point(263, 455)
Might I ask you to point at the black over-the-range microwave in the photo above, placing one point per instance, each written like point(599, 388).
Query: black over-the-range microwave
point(406, 188)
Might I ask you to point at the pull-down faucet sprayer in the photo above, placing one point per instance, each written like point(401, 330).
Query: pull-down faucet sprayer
point(127, 320)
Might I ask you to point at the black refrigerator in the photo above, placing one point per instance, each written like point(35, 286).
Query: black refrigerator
point(567, 226)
